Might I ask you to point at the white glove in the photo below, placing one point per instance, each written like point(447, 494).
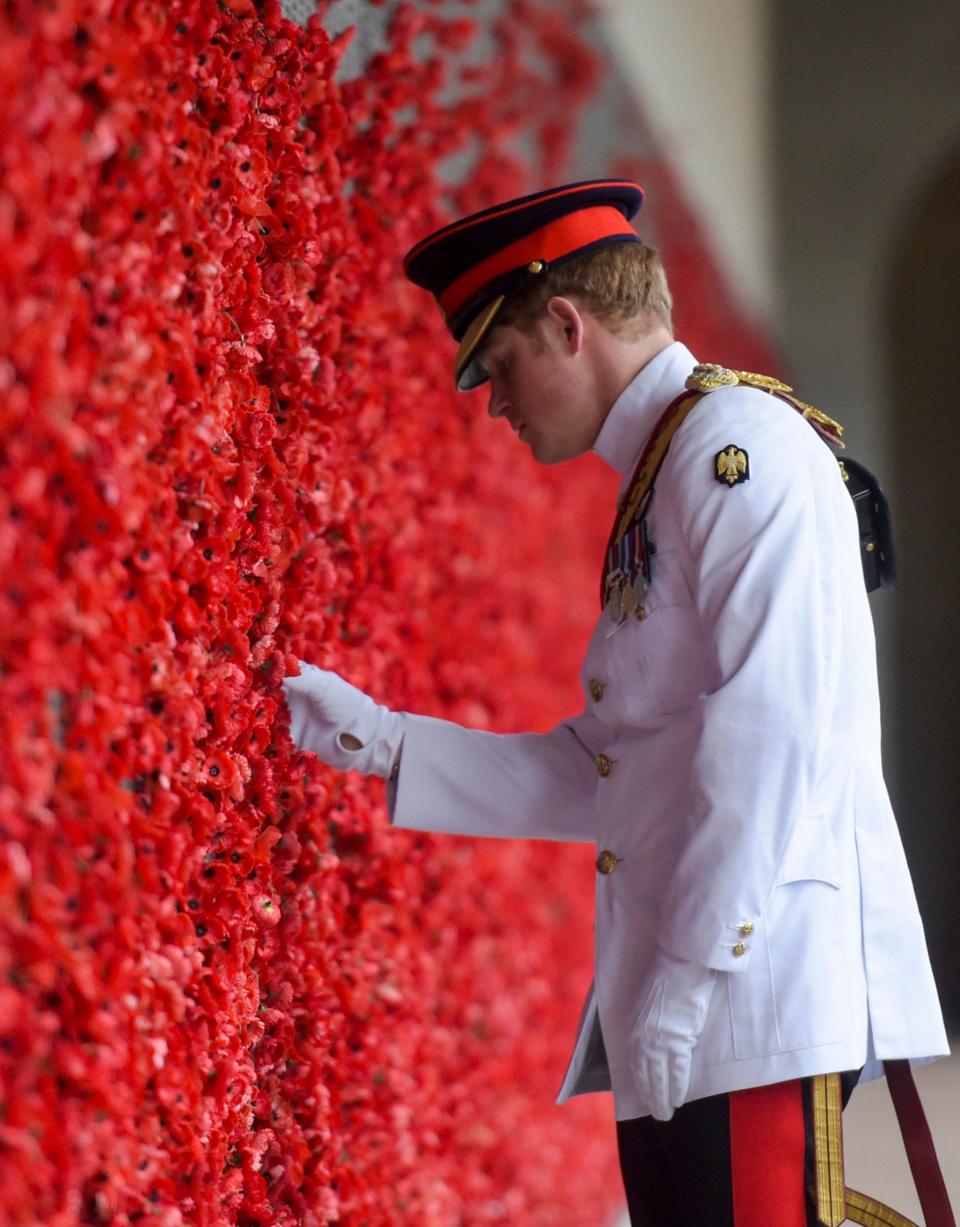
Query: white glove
point(673, 1010)
point(341, 724)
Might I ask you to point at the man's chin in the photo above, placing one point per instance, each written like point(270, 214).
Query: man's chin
point(543, 453)
point(540, 454)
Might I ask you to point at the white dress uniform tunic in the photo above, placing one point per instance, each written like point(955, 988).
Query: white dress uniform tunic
point(726, 765)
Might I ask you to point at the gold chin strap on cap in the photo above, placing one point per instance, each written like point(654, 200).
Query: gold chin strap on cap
point(836, 1203)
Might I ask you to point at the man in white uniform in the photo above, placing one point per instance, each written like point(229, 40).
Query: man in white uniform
point(757, 934)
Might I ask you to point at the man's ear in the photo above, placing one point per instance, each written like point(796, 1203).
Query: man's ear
point(567, 323)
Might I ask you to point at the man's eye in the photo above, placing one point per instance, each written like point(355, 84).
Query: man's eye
point(494, 364)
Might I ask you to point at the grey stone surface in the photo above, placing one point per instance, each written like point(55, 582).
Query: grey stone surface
point(866, 119)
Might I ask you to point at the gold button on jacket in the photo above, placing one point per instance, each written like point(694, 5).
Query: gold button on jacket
point(604, 764)
point(607, 861)
point(596, 688)
point(739, 949)
point(746, 928)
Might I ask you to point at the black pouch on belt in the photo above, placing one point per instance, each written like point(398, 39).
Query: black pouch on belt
point(873, 516)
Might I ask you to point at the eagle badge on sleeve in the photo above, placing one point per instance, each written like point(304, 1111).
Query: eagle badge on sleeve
point(732, 465)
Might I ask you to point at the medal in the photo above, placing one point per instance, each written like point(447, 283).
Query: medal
point(613, 586)
point(628, 548)
point(628, 572)
point(629, 567)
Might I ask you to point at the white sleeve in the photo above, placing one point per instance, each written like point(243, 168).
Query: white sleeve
point(508, 785)
point(757, 584)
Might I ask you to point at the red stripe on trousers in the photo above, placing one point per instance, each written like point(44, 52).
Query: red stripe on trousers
point(766, 1156)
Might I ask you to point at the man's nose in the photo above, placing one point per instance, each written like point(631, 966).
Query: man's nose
point(497, 403)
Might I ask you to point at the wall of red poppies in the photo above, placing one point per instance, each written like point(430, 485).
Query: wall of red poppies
point(230, 994)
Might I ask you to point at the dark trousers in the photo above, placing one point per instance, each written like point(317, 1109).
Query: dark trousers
point(740, 1160)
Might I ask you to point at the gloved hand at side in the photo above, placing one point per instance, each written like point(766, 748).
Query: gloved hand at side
point(673, 1010)
point(340, 724)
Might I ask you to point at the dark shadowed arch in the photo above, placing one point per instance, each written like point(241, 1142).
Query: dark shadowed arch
point(923, 331)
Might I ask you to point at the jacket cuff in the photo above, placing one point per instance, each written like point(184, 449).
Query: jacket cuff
point(729, 950)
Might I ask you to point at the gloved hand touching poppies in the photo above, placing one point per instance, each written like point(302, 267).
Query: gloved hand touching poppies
point(340, 724)
point(673, 1010)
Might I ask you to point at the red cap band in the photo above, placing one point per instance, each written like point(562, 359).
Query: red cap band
point(551, 242)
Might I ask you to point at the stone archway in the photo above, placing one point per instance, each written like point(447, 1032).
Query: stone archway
point(923, 336)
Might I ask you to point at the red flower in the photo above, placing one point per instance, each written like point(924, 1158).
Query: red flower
point(266, 910)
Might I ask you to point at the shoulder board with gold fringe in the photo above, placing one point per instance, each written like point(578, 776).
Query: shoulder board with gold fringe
point(709, 376)
point(873, 512)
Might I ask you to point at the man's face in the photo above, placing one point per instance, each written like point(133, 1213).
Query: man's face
point(544, 393)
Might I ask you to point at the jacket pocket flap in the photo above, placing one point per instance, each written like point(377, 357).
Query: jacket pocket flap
point(669, 584)
point(811, 853)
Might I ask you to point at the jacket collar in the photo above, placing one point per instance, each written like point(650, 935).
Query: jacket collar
point(637, 409)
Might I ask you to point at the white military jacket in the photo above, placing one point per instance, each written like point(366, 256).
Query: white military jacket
point(728, 756)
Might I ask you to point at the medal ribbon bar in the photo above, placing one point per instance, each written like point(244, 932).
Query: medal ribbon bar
point(633, 504)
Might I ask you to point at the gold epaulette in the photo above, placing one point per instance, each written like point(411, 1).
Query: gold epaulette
point(709, 376)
